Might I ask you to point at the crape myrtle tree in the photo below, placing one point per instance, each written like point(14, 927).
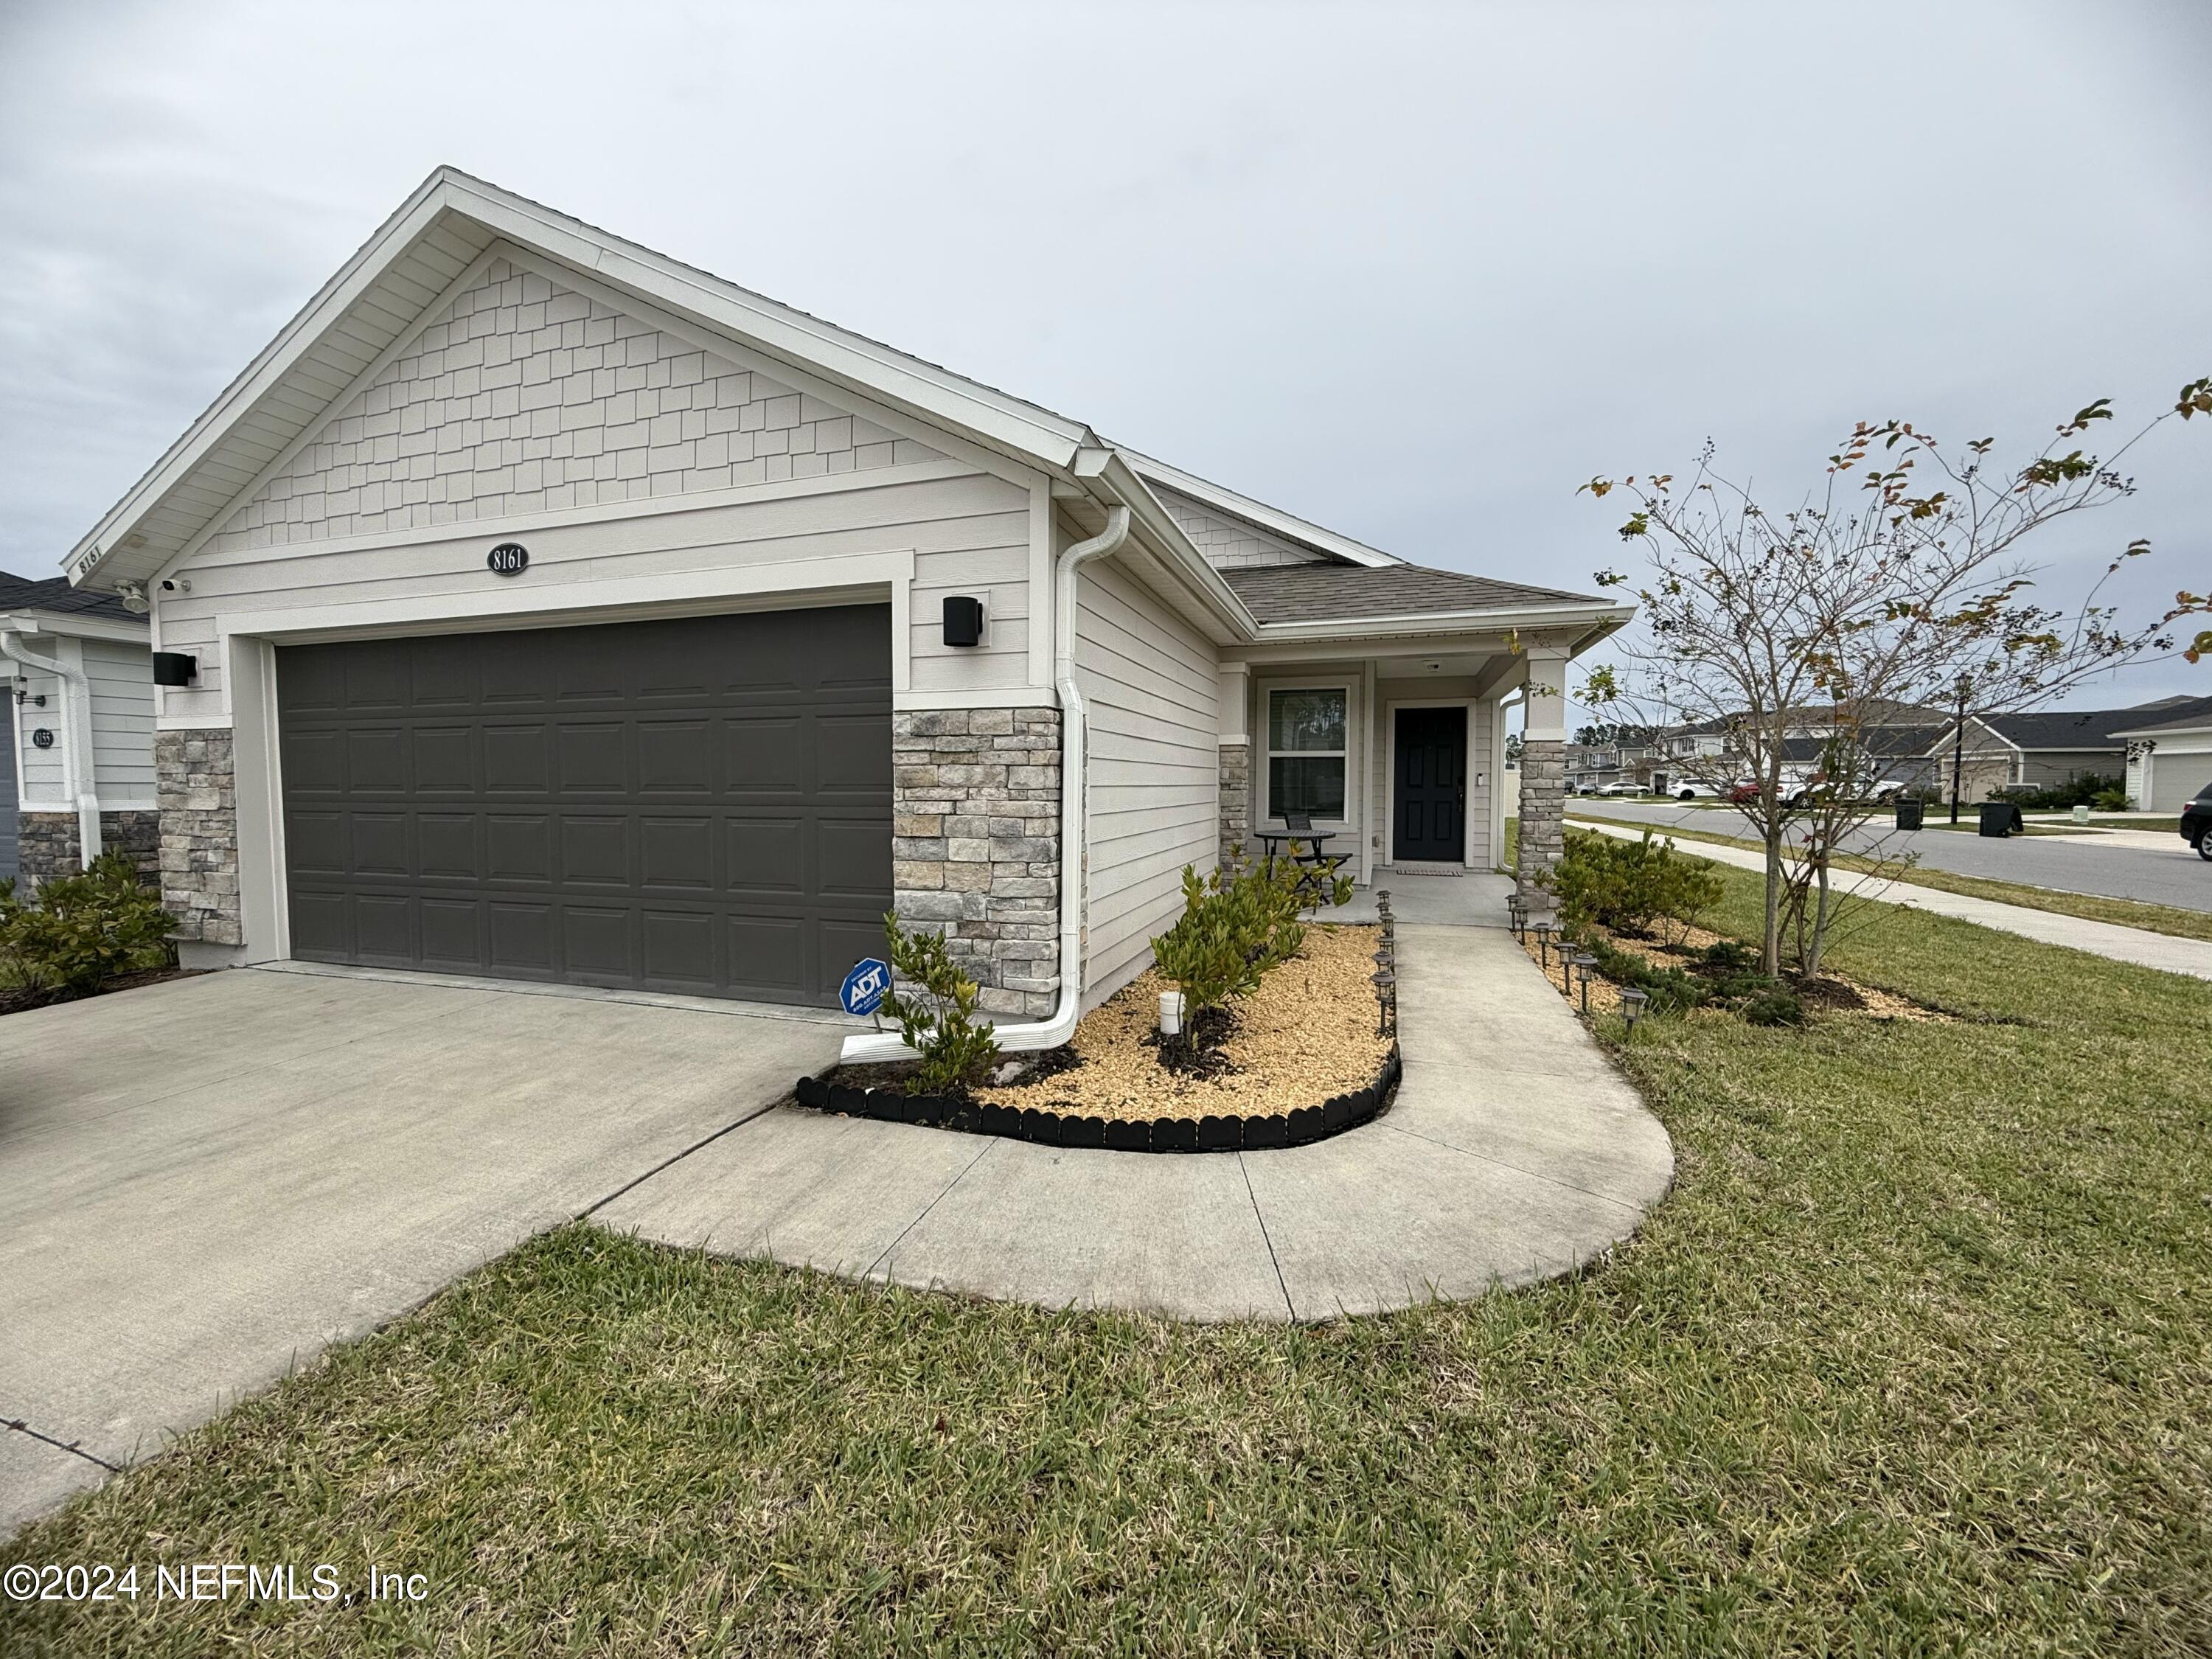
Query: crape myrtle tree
point(1896, 585)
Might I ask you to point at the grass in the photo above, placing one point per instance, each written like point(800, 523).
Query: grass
point(2090, 907)
point(1914, 1359)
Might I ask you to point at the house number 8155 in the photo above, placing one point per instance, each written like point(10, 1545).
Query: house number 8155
point(507, 559)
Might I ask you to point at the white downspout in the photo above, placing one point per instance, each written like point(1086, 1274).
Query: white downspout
point(77, 775)
point(1049, 1033)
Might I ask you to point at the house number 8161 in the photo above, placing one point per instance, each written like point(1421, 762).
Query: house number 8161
point(507, 559)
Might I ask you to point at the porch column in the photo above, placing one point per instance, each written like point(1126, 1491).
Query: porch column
point(1543, 772)
point(1233, 798)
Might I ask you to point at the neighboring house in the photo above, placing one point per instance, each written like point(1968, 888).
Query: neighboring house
point(560, 611)
point(2043, 749)
point(2169, 763)
point(79, 762)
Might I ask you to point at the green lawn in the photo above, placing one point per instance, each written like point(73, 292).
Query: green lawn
point(1917, 1358)
point(2090, 907)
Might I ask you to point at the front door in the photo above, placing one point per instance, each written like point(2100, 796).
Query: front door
point(1429, 794)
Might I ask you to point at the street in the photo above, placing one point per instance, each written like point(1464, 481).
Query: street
point(2122, 867)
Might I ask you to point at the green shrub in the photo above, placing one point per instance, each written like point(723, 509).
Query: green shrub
point(81, 931)
point(1627, 885)
point(1237, 923)
point(2110, 800)
point(936, 1012)
point(1774, 1008)
point(2084, 791)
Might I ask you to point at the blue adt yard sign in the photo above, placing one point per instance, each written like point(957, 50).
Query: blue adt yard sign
point(864, 988)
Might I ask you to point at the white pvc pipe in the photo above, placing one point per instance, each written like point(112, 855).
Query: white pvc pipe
point(77, 758)
point(870, 1046)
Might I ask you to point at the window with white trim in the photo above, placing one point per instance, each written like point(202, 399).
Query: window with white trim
point(1307, 733)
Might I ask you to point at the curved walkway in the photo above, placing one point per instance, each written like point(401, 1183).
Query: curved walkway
point(1514, 1151)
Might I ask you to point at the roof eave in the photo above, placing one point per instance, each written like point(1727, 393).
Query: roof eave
point(1591, 621)
point(1287, 525)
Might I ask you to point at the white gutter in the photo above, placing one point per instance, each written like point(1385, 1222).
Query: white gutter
point(78, 781)
point(873, 1047)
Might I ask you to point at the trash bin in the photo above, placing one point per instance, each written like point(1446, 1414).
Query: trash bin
point(1909, 811)
point(2000, 818)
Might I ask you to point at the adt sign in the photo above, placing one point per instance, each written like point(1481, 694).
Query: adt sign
point(864, 987)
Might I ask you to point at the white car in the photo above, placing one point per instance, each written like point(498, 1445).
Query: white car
point(1621, 787)
point(1687, 791)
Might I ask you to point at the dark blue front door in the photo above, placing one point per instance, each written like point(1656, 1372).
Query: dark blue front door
point(1429, 794)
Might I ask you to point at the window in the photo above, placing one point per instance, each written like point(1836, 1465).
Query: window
point(1305, 752)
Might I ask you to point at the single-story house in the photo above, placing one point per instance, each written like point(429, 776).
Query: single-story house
point(2044, 748)
point(2169, 762)
point(77, 770)
point(557, 610)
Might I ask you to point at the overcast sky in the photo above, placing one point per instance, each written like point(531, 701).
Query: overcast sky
point(1413, 272)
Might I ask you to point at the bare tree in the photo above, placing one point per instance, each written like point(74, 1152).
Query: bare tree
point(1800, 639)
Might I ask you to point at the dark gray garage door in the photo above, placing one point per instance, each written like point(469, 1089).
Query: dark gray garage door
point(700, 805)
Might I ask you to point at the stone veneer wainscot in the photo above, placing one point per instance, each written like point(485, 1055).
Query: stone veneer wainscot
point(47, 843)
point(1235, 783)
point(194, 780)
point(1543, 812)
point(975, 844)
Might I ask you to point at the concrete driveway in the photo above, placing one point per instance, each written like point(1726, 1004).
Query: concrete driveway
point(202, 1182)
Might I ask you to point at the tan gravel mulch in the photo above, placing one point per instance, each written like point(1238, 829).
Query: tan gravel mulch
point(1308, 1033)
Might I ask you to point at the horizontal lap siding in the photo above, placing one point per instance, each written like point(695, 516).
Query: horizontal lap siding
point(968, 534)
point(1147, 680)
point(122, 681)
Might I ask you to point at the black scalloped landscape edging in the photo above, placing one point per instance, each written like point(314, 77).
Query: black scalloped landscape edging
point(1165, 1134)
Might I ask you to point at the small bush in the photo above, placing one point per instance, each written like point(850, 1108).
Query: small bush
point(1774, 1008)
point(936, 1012)
point(1238, 923)
point(2110, 800)
point(1627, 885)
point(2085, 790)
point(81, 931)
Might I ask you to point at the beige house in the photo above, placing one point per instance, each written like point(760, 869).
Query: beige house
point(557, 611)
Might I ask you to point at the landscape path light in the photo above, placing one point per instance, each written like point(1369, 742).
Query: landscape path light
point(1632, 1004)
point(1584, 961)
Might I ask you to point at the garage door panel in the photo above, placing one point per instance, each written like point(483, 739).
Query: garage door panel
point(380, 845)
point(766, 856)
point(518, 846)
point(854, 862)
point(764, 754)
point(445, 760)
point(677, 852)
point(851, 756)
point(636, 803)
point(514, 759)
point(384, 928)
point(453, 934)
point(595, 851)
point(521, 937)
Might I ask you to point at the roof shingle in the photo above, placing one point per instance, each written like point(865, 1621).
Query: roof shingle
point(1351, 592)
point(55, 595)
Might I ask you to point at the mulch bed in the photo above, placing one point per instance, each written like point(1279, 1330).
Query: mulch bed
point(1830, 993)
point(16, 1000)
point(1301, 1057)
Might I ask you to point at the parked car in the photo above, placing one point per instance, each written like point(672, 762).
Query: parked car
point(1686, 790)
point(2197, 823)
point(1744, 794)
point(1620, 786)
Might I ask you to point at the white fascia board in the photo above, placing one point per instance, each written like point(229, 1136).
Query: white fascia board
point(297, 337)
point(1591, 618)
point(2194, 729)
point(81, 627)
point(1286, 524)
point(1113, 479)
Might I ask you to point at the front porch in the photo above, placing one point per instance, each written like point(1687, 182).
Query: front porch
point(1398, 756)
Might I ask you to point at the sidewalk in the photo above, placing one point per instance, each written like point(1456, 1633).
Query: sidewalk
point(2099, 939)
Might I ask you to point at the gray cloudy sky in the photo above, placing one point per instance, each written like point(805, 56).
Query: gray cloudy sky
point(1411, 271)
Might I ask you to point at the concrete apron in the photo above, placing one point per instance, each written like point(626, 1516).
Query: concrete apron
point(1514, 1151)
point(202, 1182)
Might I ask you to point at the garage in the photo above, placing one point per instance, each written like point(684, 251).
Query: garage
point(698, 805)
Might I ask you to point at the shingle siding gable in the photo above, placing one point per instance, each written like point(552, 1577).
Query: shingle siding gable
point(523, 396)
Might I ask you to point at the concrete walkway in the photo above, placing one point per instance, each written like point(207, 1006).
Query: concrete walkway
point(202, 1182)
point(1514, 1151)
point(2101, 939)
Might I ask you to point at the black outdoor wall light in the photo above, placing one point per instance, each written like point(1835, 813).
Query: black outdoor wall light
point(175, 668)
point(963, 620)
